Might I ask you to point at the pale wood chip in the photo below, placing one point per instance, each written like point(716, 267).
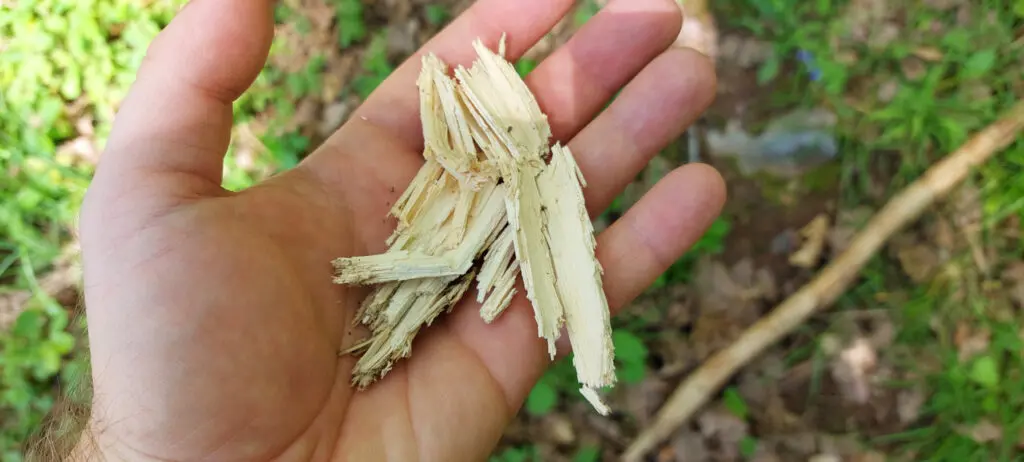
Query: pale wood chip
point(486, 206)
point(501, 297)
point(577, 271)
point(394, 340)
point(426, 258)
point(499, 256)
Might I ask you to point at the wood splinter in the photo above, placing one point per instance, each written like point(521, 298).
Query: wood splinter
point(486, 206)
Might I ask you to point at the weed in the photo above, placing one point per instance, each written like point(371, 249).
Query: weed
point(55, 56)
point(587, 454)
point(517, 454)
point(437, 14)
point(376, 66)
point(732, 401)
point(351, 25)
point(947, 78)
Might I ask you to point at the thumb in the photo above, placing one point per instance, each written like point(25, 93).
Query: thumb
point(177, 117)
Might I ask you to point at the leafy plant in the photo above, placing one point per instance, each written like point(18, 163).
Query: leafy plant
point(376, 65)
point(748, 447)
point(437, 14)
point(734, 403)
point(630, 356)
point(543, 397)
point(65, 66)
point(587, 454)
point(351, 25)
point(517, 454)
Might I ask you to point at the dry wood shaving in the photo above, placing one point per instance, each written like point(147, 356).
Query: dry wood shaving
point(493, 201)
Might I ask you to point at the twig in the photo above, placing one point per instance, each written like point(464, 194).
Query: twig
point(830, 283)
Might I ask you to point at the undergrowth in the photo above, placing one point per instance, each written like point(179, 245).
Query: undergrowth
point(906, 97)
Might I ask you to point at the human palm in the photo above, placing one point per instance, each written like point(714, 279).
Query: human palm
point(213, 323)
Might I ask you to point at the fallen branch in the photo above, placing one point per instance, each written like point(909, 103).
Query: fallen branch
point(833, 280)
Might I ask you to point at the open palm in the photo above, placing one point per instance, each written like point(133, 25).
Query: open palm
point(213, 322)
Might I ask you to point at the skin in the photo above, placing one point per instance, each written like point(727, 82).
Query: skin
point(213, 322)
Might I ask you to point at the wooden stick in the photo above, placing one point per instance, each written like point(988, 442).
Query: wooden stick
point(830, 283)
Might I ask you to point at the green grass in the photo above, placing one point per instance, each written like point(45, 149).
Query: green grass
point(932, 111)
point(974, 75)
point(56, 52)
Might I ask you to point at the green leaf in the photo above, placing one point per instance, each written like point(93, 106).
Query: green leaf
point(49, 361)
point(1018, 8)
point(956, 133)
point(542, 398)
point(587, 454)
point(365, 85)
point(748, 446)
point(631, 372)
point(629, 347)
point(436, 14)
point(62, 342)
point(351, 25)
point(734, 403)
point(525, 66)
point(979, 64)
point(985, 371)
point(29, 324)
point(769, 69)
point(957, 41)
point(516, 454)
point(29, 199)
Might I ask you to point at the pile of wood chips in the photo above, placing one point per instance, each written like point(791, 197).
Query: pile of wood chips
point(492, 201)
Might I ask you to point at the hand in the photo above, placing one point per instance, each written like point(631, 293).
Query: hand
point(213, 323)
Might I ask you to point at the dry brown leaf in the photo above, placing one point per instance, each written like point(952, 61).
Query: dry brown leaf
point(913, 68)
point(970, 341)
point(686, 446)
point(1014, 277)
point(869, 456)
point(888, 90)
point(724, 427)
point(558, 428)
point(644, 400)
point(852, 370)
point(985, 431)
point(908, 404)
point(814, 235)
point(928, 53)
point(919, 261)
point(848, 222)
